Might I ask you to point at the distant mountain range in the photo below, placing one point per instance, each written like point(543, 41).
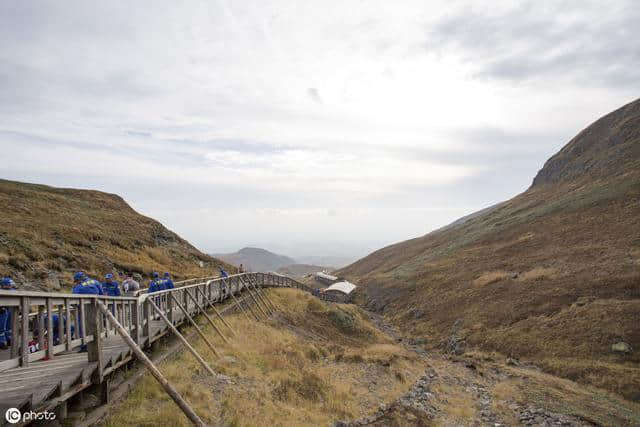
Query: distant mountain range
point(256, 259)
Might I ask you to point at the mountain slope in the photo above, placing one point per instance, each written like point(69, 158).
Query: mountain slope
point(551, 276)
point(256, 259)
point(47, 233)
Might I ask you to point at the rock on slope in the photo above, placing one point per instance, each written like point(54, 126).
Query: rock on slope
point(46, 233)
point(551, 276)
point(257, 259)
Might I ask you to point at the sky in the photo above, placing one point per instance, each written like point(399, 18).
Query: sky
point(308, 128)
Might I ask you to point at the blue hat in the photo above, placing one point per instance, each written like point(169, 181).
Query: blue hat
point(166, 274)
point(155, 274)
point(78, 276)
point(6, 281)
point(109, 276)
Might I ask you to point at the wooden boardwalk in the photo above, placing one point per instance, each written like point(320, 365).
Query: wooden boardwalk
point(48, 378)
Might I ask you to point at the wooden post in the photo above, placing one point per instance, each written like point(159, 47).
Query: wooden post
point(170, 310)
point(136, 322)
point(182, 404)
point(94, 348)
point(195, 325)
point(83, 322)
point(49, 328)
point(41, 338)
point(146, 330)
point(221, 318)
point(179, 335)
point(67, 324)
point(24, 342)
point(204, 312)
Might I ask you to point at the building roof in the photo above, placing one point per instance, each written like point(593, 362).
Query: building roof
point(344, 287)
point(326, 276)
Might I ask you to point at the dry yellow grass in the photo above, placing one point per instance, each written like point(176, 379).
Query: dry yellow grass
point(287, 371)
point(538, 273)
point(490, 277)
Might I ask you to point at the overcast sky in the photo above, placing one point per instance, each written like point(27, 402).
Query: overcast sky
point(308, 127)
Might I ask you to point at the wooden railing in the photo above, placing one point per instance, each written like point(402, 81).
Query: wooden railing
point(80, 323)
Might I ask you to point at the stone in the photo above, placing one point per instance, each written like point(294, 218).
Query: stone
point(512, 362)
point(418, 313)
point(230, 360)
point(52, 281)
point(621, 348)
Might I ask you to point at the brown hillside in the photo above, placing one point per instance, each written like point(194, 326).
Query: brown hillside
point(48, 233)
point(551, 276)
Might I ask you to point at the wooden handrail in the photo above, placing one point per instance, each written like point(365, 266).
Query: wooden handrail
point(72, 312)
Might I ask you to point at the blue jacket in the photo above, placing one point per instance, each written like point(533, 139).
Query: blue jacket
point(168, 284)
point(156, 286)
point(111, 288)
point(88, 286)
point(223, 273)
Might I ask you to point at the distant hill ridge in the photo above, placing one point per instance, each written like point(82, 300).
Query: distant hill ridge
point(47, 233)
point(257, 259)
point(551, 276)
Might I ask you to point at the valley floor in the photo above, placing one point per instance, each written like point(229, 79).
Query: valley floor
point(314, 363)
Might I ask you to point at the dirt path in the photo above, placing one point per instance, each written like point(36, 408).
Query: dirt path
point(459, 390)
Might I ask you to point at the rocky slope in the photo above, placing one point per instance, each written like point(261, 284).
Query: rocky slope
point(47, 233)
point(551, 276)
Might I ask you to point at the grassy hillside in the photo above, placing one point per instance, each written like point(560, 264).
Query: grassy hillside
point(551, 276)
point(314, 363)
point(48, 233)
point(311, 364)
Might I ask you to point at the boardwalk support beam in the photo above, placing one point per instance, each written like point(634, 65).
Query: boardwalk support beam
point(172, 392)
point(194, 324)
point(181, 337)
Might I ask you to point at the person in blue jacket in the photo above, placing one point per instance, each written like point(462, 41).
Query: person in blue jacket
point(110, 286)
point(83, 284)
point(6, 284)
point(155, 285)
point(168, 283)
point(223, 273)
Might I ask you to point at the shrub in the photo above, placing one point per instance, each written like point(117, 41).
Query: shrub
point(343, 321)
point(310, 387)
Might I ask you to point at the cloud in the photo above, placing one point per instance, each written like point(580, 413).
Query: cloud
point(305, 121)
point(572, 42)
point(314, 95)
